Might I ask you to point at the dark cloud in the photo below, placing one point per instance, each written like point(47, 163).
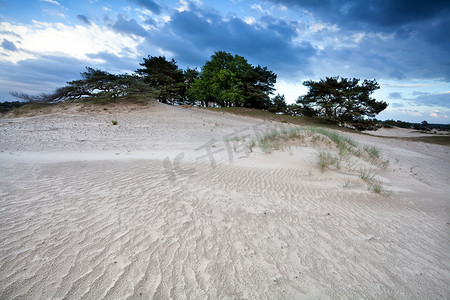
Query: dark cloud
point(384, 57)
point(150, 22)
point(395, 95)
point(148, 4)
point(7, 45)
point(34, 76)
point(194, 35)
point(84, 20)
point(122, 25)
point(417, 33)
point(283, 28)
point(441, 99)
point(382, 13)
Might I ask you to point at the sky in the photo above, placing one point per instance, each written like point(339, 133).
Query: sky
point(403, 44)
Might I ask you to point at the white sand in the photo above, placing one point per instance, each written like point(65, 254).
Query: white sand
point(138, 211)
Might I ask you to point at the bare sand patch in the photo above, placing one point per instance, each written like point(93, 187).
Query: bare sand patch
point(170, 203)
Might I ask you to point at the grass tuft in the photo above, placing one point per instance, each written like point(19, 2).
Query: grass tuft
point(366, 175)
point(326, 159)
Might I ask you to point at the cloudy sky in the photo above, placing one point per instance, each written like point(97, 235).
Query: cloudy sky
point(403, 44)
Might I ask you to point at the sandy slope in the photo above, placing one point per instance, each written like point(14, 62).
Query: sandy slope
point(89, 210)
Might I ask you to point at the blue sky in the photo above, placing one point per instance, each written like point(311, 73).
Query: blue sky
point(403, 44)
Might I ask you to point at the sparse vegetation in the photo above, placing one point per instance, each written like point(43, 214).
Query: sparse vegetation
point(376, 186)
point(251, 145)
point(334, 150)
point(373, 184)
point(326, 159)
point(347, 183)
point(271, 141)
point(114, 122)
point(366, 175)
point(373, 152)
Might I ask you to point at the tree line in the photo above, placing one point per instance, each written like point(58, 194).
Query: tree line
point(225, 80)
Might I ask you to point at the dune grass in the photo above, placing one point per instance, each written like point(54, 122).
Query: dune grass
point(333, 151)
point(326, 159)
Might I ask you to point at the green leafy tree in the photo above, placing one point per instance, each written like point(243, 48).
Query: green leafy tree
point(190, 76)
point(164, 76)
point(229, 80)
point(342, 100)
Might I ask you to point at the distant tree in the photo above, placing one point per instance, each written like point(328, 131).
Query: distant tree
point(342, 100)
point(164, 76)
point(229, 80)
point(424, 123)
point(278, 104)
point(298, 110)
point(10, 105)
point(398, 123)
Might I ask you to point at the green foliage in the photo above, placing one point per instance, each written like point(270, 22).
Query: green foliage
point(278, 104)
point(228, 80)
point(258, 85)
point(299, 110)
point(165, 77)
point(190, 76)
point(342, 100)
point(7, 106)
point(114, 122)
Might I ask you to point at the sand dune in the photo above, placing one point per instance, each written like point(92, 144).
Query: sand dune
point(160, 206)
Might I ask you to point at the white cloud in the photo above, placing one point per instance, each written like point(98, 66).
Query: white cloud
point(259, 8)
point(127, 9)
point(250, 20)
point(291, 90)
point(55, 13)
point(41, 38)
point(52, 2)
point(438, 114)
point(316, 27)
point(184, 6)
